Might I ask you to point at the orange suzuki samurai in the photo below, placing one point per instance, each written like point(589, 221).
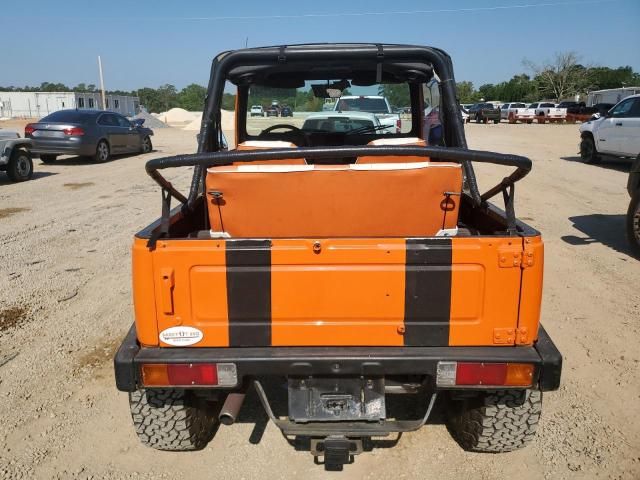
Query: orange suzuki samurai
point(337, 266)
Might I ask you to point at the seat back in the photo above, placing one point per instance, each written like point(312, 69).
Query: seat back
point(406, 141)
point(370, 200)
point(265, 144)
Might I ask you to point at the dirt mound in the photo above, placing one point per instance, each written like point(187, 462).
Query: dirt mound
point(228, 121)
point(151, 120)
point(178, 116)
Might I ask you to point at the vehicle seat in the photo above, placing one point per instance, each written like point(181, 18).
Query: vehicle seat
point(315, 201)
point(407, 141)
point(265, 144)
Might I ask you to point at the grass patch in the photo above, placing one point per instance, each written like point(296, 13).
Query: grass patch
point(11, 317)
point(77, 186)
point(7, 212)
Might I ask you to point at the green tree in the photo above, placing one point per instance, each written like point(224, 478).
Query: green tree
point(192, 97)
point(396, 93)
point(465, 92)
point(561, 77)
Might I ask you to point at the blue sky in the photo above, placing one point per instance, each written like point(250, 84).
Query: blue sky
point(152, 42)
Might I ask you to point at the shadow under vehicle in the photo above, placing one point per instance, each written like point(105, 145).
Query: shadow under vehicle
point(356, 267)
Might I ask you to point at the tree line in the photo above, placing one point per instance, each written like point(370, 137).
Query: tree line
point(560, 78)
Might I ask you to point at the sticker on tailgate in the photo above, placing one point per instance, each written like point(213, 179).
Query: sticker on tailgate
point(181, 336)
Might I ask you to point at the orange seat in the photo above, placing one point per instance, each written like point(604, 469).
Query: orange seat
point(381, 200)
point(406, 141)
point(265, 144)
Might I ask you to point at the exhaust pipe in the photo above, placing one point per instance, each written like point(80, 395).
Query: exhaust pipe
point(231, 408)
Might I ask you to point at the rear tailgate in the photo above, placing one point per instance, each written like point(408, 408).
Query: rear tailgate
point(335, 292)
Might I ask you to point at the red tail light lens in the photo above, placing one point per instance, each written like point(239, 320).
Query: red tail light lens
point(29, 129)
point(398, 125)
point(481, 373)
point(74, 131)
point(189, 374)
point(467, 374)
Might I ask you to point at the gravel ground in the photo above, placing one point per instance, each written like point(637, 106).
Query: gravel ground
point(65, 304)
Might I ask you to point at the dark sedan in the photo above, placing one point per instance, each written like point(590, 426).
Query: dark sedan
point(91, 133)
point(286, 112)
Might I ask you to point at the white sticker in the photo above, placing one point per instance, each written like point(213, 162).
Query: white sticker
point(181, 336)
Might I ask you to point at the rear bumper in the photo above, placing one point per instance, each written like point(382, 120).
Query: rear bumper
point(72, 146)
point(337, 361)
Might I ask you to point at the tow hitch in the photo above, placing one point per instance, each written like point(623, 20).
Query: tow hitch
point(336, 450)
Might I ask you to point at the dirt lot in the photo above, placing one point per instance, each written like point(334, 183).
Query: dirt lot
point(65, 304)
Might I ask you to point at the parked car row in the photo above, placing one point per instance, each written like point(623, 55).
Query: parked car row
point(542, 112)
point(271, 111)
point(94, 134)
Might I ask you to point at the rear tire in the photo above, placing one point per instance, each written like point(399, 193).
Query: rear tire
point(48, 158)
point(103, 152)
point(588, 152)
point(20, 166)
point(174, 420)
point(147, 146)
point(496, 421)
point(633, 224)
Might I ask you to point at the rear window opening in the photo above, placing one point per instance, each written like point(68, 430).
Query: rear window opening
point(72, 116)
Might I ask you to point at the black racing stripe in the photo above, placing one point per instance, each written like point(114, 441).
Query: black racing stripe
point(427, 297)
point(249, 292)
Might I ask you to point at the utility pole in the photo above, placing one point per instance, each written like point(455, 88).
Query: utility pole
point(104, 105)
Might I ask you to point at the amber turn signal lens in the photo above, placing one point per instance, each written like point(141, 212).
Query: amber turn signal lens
point(155, 375)
point(519, 374)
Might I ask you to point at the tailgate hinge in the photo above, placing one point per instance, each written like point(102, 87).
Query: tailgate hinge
point(511, 336)
point(514, 256)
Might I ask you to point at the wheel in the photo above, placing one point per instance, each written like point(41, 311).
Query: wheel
point(48, 158)
point(633, 224)
point(496, 421)
point(512, 118)
point(588, 151)
point(478, 119)
point(147, 146)
point(175, 420)
point(497, 121)
point(102, 152)
point(20, 166)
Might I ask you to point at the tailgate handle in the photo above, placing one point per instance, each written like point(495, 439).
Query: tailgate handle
point(168, 281)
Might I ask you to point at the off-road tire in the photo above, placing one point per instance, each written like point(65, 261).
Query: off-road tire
point(102, 155)
point(146, 146)
point(633, 224)
point(588, 152)
point(174, 420)
point(496, 421)
point(20, 166)
point(47, 158)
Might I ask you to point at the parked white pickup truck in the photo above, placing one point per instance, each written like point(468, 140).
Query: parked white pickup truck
point(548, 112)
point(379, 106)
point(617, 133)
point(514, 112)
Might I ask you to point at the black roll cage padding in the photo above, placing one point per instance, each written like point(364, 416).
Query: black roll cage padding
point(210, 138)
point(436, 154)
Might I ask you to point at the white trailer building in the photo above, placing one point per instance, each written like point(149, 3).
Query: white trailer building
point(40, 104)
point(611, 95)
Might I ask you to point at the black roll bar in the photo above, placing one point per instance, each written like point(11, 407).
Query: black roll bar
point(210, 131)
point(436, 154)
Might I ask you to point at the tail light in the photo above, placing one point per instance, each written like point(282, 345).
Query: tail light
point(189, 374)
point(477, 374)
point(29, 129)
point(74, 131)
point(398, 125)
